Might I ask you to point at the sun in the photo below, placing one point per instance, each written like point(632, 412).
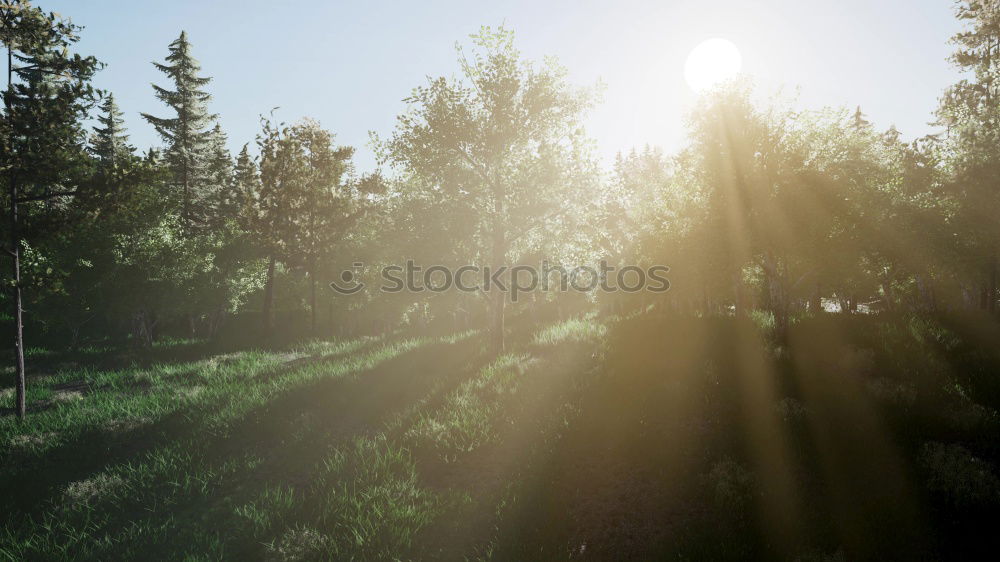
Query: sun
point(711, 62)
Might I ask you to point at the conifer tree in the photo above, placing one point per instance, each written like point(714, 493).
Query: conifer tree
point(245, 186)
point(109, 143)
point(188, 134)
point(971, 112)
point(47, 93)
point(218, 178)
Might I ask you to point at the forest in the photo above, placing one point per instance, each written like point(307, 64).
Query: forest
point(780, 341)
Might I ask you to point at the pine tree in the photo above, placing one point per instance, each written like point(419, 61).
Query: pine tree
point(218, 178)
point(979, 53)
point(245, 186)
point(47, 93)
point(188, 135)
point(109, 143)
point(971, 111)
point(859, 121)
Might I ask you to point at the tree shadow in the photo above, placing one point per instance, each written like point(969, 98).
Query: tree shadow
point(289, 436)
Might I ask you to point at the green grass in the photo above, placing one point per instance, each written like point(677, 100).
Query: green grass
point(646, 436)
point(145, 442)
point(575, 330)
point(197, 459)
point(467, 419)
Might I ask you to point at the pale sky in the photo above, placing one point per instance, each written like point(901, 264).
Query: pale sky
point(349, 64)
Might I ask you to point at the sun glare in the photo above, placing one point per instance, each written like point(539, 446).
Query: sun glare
point(711, 62)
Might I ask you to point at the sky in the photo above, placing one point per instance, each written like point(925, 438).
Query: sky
point(350, 64)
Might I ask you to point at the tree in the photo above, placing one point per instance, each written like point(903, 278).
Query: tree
point(42, 153)
point(303, 204)
point(188, 134)
point(744, 169)
point(81, 287)
point(281, 172)
point(327, 206)
point(219, 175)
point(504, 145)
point(109, 143)
point(971, 112)
point(245, 184)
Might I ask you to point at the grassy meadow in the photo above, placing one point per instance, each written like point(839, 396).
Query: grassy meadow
point(590, 439)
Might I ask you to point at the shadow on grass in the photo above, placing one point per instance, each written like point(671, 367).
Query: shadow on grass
point(701, 439)
point(278, 443)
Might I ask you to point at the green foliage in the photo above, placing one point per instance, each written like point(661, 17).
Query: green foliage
point(964, 479)
point(109, 143)
point(192, 144)
point(494, 166)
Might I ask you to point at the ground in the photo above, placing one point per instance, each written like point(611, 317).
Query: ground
point(646, 436)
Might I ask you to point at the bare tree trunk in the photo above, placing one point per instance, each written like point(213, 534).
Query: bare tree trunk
point(991, 288)
point(268, 307)
point(15, 254)
point(968, 296)
point(926, 293)
point(15, 244)
point(499, 257)
point(142, 328)
point(738, 304)
point(215, 322)
point(889, 296)
point(312, 302)
point(776, 295)
point(816, 302)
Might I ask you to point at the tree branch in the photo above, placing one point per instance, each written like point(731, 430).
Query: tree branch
point(47, 196)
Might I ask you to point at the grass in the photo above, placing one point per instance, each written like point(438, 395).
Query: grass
point(467, 419)
point(576, 330)
point(647, 436)
point(141, 444)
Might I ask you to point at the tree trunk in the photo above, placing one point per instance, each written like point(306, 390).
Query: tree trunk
point(926, 293)
point(738, 304)
point(968, 296)
point(497, 331)
point(142, 328)
point(267, 310)
point(312, 302)
point(215, 322)
point(15, 250)
point(778, 302)
point(15, 242)
point(991, 287)
point(816, 302)
point(889, 301)
point(499, 257)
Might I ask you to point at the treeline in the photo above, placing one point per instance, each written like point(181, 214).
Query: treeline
point(766, 209)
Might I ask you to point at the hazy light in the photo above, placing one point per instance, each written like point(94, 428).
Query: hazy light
point(711, 62)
